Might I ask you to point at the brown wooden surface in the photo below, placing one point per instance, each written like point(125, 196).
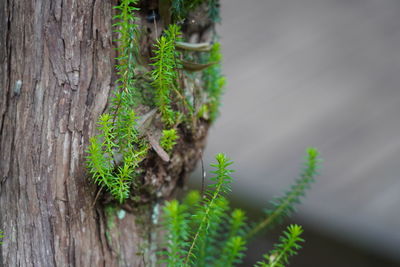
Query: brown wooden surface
point(316, 73)
point(61, 52)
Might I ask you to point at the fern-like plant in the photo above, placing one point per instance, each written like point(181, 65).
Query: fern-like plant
point(202, 232)
point(285, 205)
point(235, 243)
point(214, 82)
point(213, 206)
point(113, 144)
point(289, 244)
point(116, 152)
point(177, 230)
point(165, 73)
point(168, 139)
point(1, 237)
point(128, 51)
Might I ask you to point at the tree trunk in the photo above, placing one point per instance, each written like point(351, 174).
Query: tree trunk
point(56, 75)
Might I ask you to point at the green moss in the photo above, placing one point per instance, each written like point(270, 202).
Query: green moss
point(110, 212)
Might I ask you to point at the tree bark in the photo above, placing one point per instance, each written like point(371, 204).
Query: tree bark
point(56, 75)
point(61, 54)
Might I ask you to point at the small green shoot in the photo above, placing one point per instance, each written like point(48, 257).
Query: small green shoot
point(289, 244)
point(165, 73)
point(168, 139)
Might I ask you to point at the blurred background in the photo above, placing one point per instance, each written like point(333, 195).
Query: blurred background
point(316, 73)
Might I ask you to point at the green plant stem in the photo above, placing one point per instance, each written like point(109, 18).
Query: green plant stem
point(277, 213)
point(203, 222)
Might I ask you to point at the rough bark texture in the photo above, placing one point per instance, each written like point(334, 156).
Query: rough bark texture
point(56, 72)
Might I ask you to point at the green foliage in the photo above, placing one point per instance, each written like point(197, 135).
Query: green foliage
point(192, 199)
point(168, 139)
point(181, 9)
point(165, 73)
point(214, 82)
point(177, 231)
point(288, 246)
point(200, 231)
point(284, 205)
point(201, 222)
point(126, 26)
point(128, 49)
point(235, 243)
point(213, 206)
point(209, 241)
point(232, 253)
point(1, 236)
point(115, 142)
point(213, 11)
point(116, 152)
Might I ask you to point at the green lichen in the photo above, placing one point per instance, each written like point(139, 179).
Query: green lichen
point(121, 214)
point(110, 214)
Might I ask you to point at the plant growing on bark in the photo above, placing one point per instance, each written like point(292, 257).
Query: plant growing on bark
point(114, 155)
point(201, 230)
point(165, 73)
point(116, 152)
